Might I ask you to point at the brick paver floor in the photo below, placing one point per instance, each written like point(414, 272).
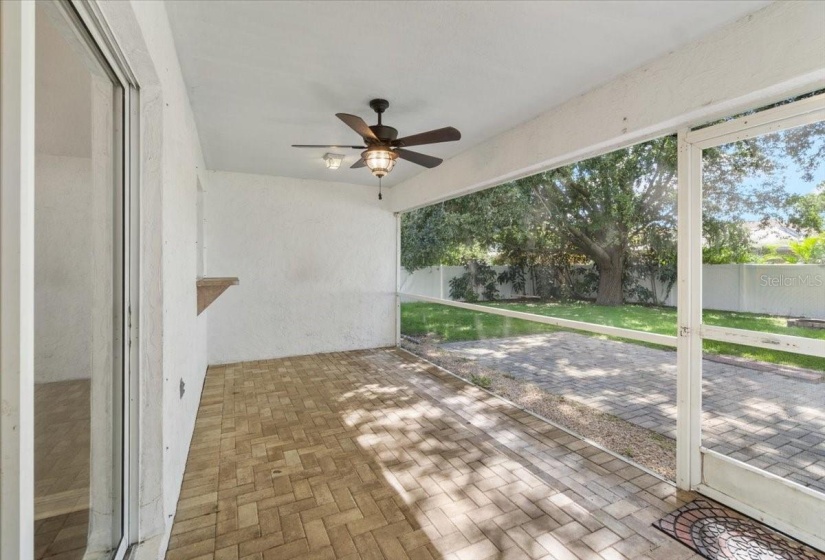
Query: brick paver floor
point(376, 454)
point(765, 419)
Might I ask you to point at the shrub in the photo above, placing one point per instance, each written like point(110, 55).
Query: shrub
point(482, 381)
point(478, 276)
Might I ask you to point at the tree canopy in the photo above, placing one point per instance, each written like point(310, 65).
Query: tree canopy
point(807, 211)
point(618, 211)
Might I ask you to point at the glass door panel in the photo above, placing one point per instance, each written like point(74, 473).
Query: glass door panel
point(79, 294)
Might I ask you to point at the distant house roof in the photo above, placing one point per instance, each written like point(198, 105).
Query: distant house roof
point(772, 233)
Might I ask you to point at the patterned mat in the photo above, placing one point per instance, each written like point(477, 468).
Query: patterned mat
point(719, 533)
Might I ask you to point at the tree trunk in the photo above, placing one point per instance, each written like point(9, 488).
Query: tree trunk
point(610, 279)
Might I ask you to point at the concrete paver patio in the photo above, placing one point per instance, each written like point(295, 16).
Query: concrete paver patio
point(762, 418)
point(377, 454)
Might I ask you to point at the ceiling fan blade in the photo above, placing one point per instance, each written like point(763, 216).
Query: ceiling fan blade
point(420, 159)
point(358, 125)
point(327, 146)
point(446, 134)
point(359, 163)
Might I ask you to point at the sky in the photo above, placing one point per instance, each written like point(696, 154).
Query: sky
point(794, 183)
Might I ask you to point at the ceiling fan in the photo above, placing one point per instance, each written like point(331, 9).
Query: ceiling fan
point(382, 145)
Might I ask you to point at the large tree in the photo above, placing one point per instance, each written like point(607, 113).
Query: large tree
point(616, 207)
point(603, 205)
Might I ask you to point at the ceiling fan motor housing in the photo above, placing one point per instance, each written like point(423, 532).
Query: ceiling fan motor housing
point(384, 133)
point(379, 105)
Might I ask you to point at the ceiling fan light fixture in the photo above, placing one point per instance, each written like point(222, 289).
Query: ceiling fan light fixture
point(381, 144)
point(380, 160)
point(333, 161)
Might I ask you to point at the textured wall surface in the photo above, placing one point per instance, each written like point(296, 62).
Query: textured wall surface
point(172, 342)
point(63, 268)
point(184, 332)
point(316, 263)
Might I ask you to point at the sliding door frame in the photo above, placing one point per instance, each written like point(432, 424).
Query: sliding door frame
point(87, 14)
point(17, 150)
point(17, 41)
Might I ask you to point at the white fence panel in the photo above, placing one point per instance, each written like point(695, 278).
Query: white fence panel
point(793, 290)
point(721, 287)
point(435, 282)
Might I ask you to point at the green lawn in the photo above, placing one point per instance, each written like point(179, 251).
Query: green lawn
point(450, 324)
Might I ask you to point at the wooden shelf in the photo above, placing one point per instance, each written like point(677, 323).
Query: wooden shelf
point(210, 288)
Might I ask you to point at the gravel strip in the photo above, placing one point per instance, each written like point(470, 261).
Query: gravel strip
point(652, 450)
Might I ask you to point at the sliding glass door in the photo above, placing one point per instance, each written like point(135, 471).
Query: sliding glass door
point(81, 293)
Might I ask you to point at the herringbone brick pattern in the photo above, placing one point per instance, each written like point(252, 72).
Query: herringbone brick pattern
point(377, 454)
point(767, 420)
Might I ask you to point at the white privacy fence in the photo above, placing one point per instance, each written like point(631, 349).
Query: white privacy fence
point(435, 282)
point(796, 290)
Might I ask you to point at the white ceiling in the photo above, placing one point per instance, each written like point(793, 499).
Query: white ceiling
point(264, 75)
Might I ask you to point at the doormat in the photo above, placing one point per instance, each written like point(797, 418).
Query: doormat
point(719, 533)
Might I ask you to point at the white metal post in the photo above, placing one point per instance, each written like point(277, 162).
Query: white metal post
point(689, 344)
point(397, 278)
point(17, 43)
point(694, 228)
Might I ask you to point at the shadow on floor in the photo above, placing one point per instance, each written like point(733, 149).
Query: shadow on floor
point(376, 454)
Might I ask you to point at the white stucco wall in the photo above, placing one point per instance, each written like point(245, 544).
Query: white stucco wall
point(184, 332)
point(172, 343)
point(63, 268)
point(316, 263)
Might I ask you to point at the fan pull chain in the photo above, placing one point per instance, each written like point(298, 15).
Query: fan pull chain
point(379, 189)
